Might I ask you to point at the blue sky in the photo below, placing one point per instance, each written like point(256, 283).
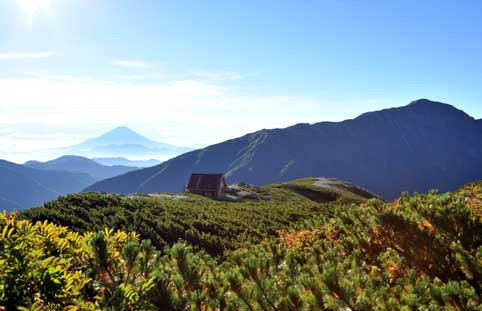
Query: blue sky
point(199, 72)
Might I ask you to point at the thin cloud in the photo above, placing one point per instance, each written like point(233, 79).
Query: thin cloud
point(133, 77)
point(219, 76)
point(24, 56)
point(55, 77)
point(132, 64)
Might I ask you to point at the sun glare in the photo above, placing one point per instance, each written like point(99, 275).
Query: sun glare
point(33, 7)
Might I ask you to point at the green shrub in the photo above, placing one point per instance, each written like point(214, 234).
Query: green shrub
point(418, 253)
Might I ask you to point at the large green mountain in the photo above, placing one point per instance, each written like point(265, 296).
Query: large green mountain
point(80, 164)
point(417, 147)
point(23, 187)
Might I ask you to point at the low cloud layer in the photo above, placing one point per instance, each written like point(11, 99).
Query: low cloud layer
point(16, 56)
point(41, 113)
point(131, 64)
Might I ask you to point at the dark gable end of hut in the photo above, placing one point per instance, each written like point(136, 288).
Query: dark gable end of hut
point(208, 185)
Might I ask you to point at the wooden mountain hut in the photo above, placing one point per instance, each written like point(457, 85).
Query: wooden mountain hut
point(208, 185)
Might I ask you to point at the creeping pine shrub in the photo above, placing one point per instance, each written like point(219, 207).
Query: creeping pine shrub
point(418, 253)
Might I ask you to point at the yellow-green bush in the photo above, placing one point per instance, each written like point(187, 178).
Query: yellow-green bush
point(41, 264)
point(44, 266)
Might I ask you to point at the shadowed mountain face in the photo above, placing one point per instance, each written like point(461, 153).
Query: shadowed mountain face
point(81, 165)
point(23, 187)
point(417, 147)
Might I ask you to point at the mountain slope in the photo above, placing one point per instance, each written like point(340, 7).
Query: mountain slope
point(211, 224)
point(125, 142)
point(23, 187)
point(326, 190)
point(417, 147)
point(81, 165)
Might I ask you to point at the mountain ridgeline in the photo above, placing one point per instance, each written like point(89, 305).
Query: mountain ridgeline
point(81, 165)
point(34, 183)
point(22, 187)
point(414, 148)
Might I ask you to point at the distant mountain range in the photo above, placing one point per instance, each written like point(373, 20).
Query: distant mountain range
point(78, 164)
point(122, 141)
point(126, 162)
point(23, 187)
point(417, 147)
point(32, 184)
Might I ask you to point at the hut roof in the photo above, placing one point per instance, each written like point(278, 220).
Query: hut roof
point(207, 182)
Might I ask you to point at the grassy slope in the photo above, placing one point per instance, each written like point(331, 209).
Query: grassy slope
point(338, 191)
point(211, 225)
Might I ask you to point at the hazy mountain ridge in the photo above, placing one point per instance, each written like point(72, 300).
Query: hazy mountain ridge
point(417, 147)
point(23, 187)
point(78, 164)
point(122, 141)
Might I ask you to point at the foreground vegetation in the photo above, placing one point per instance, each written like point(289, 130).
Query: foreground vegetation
point(417, 253)
point(213, 226)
